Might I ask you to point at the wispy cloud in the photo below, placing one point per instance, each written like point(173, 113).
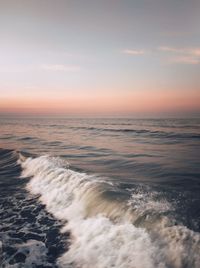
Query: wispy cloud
point(60, 68)
point(15, 68)
point(181, 55)
point(185, 60)
point(170, 49)
point(134, 52)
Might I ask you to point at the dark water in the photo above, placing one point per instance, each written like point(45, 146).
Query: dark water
point(100, 193)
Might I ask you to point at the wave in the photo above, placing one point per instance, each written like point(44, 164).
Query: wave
point(155, 134)
point(110, 227)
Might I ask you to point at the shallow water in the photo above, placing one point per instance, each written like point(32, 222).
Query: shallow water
point(127, 191)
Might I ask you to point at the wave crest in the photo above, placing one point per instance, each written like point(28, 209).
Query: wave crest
point(103, 233)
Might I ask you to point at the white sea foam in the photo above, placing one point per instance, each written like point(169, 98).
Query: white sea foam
point(100, 243)
point(34, 252)
point(102, 231)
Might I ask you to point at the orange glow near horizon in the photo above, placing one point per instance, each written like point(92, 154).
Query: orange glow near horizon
point(133, 102)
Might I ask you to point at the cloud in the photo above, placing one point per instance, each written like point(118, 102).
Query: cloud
point(60, 68)
point(15, 68)
point(182, 55)
point(185, 60)
point(170, 49)
point(133, 52)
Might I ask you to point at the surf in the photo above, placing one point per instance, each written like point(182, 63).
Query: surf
point(119, 230)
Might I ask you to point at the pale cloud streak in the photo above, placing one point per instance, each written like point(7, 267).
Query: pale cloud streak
point(134, 52)
point(60, 68)
point(181, 55)
point(44, 67)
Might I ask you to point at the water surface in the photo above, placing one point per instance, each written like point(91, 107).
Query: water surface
point(124, 186)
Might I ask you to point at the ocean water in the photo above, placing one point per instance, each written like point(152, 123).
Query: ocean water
point(99, 193)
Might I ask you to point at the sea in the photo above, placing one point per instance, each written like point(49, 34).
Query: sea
point(99, 193)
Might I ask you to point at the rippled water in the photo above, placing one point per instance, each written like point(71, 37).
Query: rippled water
point(100, 192)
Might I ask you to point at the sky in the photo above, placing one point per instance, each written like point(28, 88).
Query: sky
point(100, 57)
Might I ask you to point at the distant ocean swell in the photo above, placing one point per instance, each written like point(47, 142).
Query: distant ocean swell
point(155, 134)
point(110, 226)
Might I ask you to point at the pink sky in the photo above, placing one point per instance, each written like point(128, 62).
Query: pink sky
point(101, 57)
point(110, 103)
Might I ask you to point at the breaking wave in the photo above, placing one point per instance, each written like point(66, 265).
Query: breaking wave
point(110, 226)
